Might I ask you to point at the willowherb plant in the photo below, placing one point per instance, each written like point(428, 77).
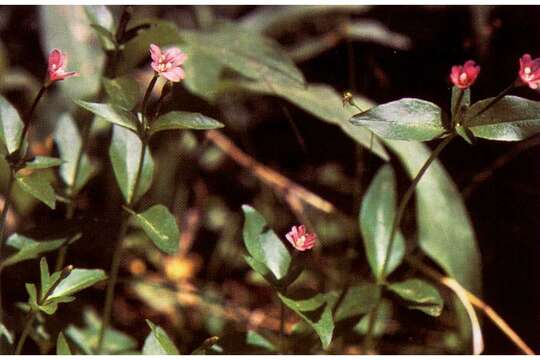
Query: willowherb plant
point(214, 62)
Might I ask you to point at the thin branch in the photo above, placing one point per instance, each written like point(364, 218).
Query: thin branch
point(270, 177)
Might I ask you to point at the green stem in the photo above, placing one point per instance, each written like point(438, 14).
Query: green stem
point(282, 327)
point(397, 220)
point(26, 331)
point(115, 266)
point(455, 110)
point(495, 99)
point(28, 120)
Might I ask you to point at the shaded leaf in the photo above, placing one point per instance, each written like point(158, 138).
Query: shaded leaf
point(43, 162)
point(384, 315)
point(86, 338)
point(68, 28)
point(202, 73)
point(376, 220)
point(160, 226)
point(37, 185)
point(358, 300)
point(177, 120)
point(62, 347)
point(69, 144)
point(112, 113)
point(253, 338)
point(445, 232)
point(125, 153)
point(6, 334)
point(28, 248)
point(511, 119)
point(321, 101)
point(404, 119)
point(122, 91)
point(158, 343)
point(375, 31)
point(264, 246)
point(11, 126)
point(248, 53)
point(315, 311)
point(420, 295)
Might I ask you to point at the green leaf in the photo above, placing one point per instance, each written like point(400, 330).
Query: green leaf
point(160, 226)
point(177, 120)
point(376, 220)
point(62, 347)
point(158, 343)
point(420, 295)
point(86, 338)
point(102, 21)
point(77, 280)
point(265, 247)
point(465, 133)
point(28, 249)
point(511, 119)
point(404, 119)
point(383, 317)
point(374, 31)
point(445, 232)
point(43, 162)
point(202, 73)
point(253, 338)
point(69, 144)
point(46, 280)
point(32, 296)
point(322, 102)
point(5, 333)
point(106, 38)
point(37, 185)
point(68, 28)
point(122, 91)
point(125, 153)
point(159, 32)
point(11, 126)
point(112, 113)
point(358, 300)
point(317, 312)
point(248, 53)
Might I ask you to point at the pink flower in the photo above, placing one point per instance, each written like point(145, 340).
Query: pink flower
point(300, 238)
point(529, 71)
point(167, 63)
point(464, 76)
point(57, 66)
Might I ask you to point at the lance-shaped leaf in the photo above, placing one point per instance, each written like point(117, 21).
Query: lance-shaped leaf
point(177, 120)
point(11, 126)
point(246, 52)
point(37, 185)
point(43, 162)
point(317, 312)
point(112, 113)
point(125, 154)
point(511, 119)
point(4, 332)
point(322, 102)
point(86, 338)
point(28, 249)
point(77, 280)
point(404, 119)
point(102, 21)
point(376, 220)
point(264, 245)
point(202, 73)
point(122, 91)
point(158, 343)
point(445, 232)
point(160, 226)
point(419, 295)
point(69, 144)
point(62, 347)
point(255, 339)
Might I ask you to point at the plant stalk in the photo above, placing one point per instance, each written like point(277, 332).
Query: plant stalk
point(496, 99)
point(26, 331)
point(397, 220)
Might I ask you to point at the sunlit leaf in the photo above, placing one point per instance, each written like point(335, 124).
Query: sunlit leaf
point(62, 347)
point(253, 338)
point(11, 126)
point(43, 162)
point(160, 226)
point(177, 120)
point(122, 91)
point(404, 119)
point(158, 343)
point(28, 248)
point(112, 113)
point(77, 280)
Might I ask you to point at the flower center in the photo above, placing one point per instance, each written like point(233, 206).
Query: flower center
point(463, 77)
point(527, 70)
point(301, 240)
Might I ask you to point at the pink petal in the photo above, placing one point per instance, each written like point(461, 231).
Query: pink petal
point(56, 58)
point(155, 52)
point(175, 74)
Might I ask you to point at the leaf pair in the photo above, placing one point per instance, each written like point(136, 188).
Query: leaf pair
point(510, 119)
